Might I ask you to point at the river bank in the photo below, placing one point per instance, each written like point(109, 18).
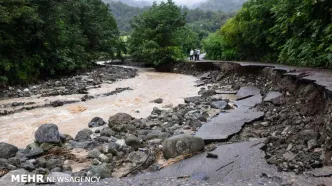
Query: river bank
point(249, 121)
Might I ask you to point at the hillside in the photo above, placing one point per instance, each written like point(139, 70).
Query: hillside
point(221, 5)
point(133, 3)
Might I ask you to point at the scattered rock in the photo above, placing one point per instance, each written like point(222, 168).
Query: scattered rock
point(158, 101)
point(272, 95)
point(134, 142)
point(96, 122)
point(118, 119)
point(102, 171)
point(108, 132)
point(48, 133)
point(182, 144)
point(35, 152)
point(83, 135)
point(57, 103)
point(7, 150)
point(211, 155)
point(94, 153)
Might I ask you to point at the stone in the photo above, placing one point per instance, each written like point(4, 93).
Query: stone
point(15, 161)
point(138, 157)
point(111, 147)
point(108, 132)
point(103, 158)
point(192, 99)
point(208, 93)
point(194, 123)
point(28, 166)
point(7, 150)
point(35, 152)
point(118, 119)
point(94, 153)
point(83, 135)
point(96, 122)
point(56, 169)
point(101, 171)
point(182, 144)
point(247, 91)
point(289, 156)
point(312, 143)
point(40, 162)
point(48, 133)
point(158, 101)
point(205, 76)
point(57, 103)
point(47, 146)
point(134, 142)
point(5, 165)
point(272, 95)
point(157, 134)
point(53, 163)
point(220, 105)
point(211, 155)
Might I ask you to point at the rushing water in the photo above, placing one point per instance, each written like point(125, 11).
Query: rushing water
point(19, 128)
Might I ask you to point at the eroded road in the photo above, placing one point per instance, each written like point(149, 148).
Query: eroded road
point(258, 129)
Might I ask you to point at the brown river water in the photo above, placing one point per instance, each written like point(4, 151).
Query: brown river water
point(18, 129)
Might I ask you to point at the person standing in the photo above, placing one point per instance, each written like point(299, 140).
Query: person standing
point(195, 54)
point(198, 54)
point(191, 55)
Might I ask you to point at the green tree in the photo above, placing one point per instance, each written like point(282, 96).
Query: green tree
point(45, 38)
point(297, 32)
point(157, 35)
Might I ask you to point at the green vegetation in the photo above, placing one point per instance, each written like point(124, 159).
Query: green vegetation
point(132, 3)
point(297, 32)
point(227, 6)
point(160, 35)
point(123, 15)
point(201, 22)
point(44, 38)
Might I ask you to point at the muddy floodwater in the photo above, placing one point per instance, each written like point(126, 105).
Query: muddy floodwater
point(19, 128)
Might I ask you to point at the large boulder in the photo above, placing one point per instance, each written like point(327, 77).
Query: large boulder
point(182, 144)
point(48, 133)
point(7, 150)
point(83, 135)
point(97, 122)
point(118, 119)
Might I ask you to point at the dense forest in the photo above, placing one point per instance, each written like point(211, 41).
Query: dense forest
point(47, 38)
point(133, 3)
point(227, 6)
point(202, 22)
point(297, 32)
point(43, 38)
point(124, 13)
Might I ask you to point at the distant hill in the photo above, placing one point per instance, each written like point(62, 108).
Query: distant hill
point(124, 13)
point(223, 5)
point(134, 3)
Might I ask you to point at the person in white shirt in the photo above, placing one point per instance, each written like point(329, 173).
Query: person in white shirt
point(191, 55)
